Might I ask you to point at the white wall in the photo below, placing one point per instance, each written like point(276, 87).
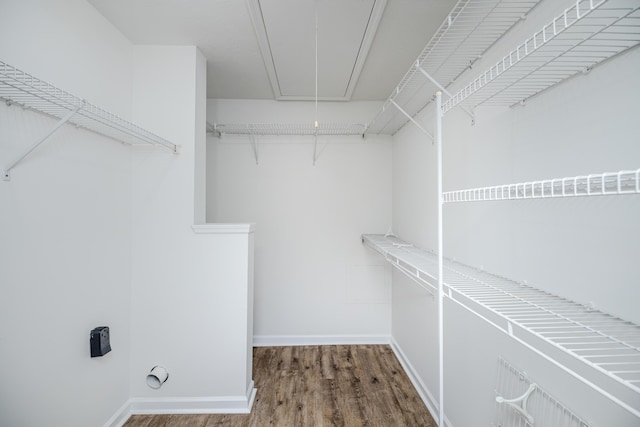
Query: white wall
point(89, 241)
point(190, 292)
point(315, 282)
point(70, 45)
point(578, 248)
point(65, 228)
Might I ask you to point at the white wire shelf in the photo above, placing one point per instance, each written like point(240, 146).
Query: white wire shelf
point(606, 348)
point(290, 129)
point(585, 34)
point(18, 87)
point(469, 30)
point(602, 184)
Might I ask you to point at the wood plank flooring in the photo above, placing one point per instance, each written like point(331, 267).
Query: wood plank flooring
point(355, 385)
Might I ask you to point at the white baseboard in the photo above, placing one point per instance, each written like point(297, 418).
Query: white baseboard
point(299, 340)
point(184, 405)
point(423, 391)
point(121, 416)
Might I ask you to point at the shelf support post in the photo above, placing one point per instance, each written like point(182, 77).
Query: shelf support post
point(445, 91)
point(426, 132)
point(440, 259)
point(6, 175)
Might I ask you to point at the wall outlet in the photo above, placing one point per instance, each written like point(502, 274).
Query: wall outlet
point(99, 341)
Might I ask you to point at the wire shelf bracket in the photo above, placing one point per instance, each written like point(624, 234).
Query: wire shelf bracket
point(254, 146)
point(18, 87)
point(315, 148)
point(211, 129)
point(6, 176)
point(534, 407)
point(409, 117)
point(520, 403)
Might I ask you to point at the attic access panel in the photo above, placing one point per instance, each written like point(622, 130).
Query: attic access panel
point(286, 34)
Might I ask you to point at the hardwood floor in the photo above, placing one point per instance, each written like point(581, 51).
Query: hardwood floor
point(357, 385)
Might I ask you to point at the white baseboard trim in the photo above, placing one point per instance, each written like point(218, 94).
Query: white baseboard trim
point(121, 416)
point(299, 340)
point(184, 405)
point(423, 391)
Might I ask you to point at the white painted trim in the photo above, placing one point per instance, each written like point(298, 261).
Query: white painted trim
point(224, 228)
point(421, 388)
point(184, 405)
point(299, 340)
point(121, 416)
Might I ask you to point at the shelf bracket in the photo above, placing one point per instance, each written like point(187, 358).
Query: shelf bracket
point(213, 130)
point(315, 147)
point(520, 403)
point(254, 146)
point(426, 132)
point(6, 175)
point(445, 91)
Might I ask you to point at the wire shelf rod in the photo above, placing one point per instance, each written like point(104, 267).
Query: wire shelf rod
point(590, 320)
point(606, 347)
point(601, 327)
point(294, 129)
point(601, 184)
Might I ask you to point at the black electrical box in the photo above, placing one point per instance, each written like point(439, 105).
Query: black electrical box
point(99, 341)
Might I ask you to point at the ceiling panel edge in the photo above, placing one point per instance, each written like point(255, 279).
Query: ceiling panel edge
point(367, 40)
point(255, 12)
point(257, 19)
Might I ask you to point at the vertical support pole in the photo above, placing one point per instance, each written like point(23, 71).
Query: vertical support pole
point(440, 259)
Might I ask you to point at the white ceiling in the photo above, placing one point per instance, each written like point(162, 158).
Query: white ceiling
point(237, 68)
point(344, 30)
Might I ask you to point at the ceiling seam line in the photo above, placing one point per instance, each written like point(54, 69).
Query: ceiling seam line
point(366, 29)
